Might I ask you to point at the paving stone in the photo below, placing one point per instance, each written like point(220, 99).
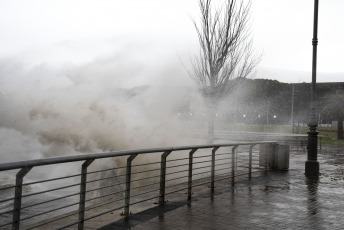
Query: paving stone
point(278, 200)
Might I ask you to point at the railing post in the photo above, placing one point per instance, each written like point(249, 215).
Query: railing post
point(163, 177)
point(190, 173)
point(233, 163)
point(250, 162)
point(212, 185)
point(82, 204)
point(18, 197)
point(127, 185)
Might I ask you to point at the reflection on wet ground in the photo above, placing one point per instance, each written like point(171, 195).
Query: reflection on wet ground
point(312, 187)
point(279, 200)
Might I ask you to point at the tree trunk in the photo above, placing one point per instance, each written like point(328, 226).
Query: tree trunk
point(211, 123)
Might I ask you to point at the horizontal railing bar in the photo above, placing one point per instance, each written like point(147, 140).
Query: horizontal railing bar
point(4, 188)
point(236, 175)
point(246, 167)
point(49, 190)
point(55, 199)
point(241, 166)
point(227, 163)
point(104, 170)
point(241, 172)
point(176, 178)
point(203, 167)
point(178, 185)
point(66, 159)
point(174, 191)
point(53, 179)
point(218, 170)
point(102, 204)
point(151, 163)
point(228, 177)
point(195, 174)
point(1, 201)
point(203, 183)
point(146, 178)
point(108, 194)
point(104, 178)
point(108, 186)
point(154, 190)
point(2, 213)
point(145, 185)
point(52, 210)
point(8, 223)
point(224, 174)
point(53, 220)
point(224, 178)
point(150, 170)
point(224, 158)
point(223, 154)
point(179, 159)
point(171, 173)
point(203, 156)
point(102, 213)
point(199, 162)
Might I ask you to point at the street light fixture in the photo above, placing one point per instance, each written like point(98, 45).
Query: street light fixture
point(312, 164)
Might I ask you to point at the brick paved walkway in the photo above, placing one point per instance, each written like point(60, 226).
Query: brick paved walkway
point(280, 200)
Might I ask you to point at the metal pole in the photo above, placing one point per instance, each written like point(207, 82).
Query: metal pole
point(212, 185)
point(250, 162)
point(127, 185)
point(163, 177)
point(82, 204)
point(233, 163)
point(190, 173)
point(312, 164)
point(18, 197)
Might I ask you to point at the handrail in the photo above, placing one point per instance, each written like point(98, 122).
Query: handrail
point(66, 159)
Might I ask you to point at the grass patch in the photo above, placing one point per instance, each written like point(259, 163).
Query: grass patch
point(330, 137)
point(329, 134)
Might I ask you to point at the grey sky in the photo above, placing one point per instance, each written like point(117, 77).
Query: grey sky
point(75, 32)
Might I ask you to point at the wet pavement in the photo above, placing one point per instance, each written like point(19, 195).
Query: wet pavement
point(278, 200)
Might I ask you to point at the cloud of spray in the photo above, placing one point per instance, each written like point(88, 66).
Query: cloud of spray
point(112, 103)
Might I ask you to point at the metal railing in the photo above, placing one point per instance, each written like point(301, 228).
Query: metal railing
point(62, 201)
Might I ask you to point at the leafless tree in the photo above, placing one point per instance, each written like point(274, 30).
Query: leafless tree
point(225, 50)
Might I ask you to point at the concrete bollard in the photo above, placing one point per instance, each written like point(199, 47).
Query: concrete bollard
point(267, 155)
point(274, 156)
point(282, 157)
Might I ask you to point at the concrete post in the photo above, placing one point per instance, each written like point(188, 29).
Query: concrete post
point(282, 157)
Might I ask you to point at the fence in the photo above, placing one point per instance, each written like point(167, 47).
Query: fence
point(56, 194)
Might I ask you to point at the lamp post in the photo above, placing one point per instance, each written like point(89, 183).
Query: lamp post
point(312, 164)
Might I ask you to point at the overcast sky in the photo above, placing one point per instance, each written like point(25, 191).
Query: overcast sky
point(74, 32)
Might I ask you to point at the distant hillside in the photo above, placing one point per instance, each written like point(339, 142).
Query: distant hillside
point(255, 101)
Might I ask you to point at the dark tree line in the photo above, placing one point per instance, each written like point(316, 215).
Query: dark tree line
point(264, 101)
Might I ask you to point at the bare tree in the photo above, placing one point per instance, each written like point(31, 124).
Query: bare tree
point(225, 50)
